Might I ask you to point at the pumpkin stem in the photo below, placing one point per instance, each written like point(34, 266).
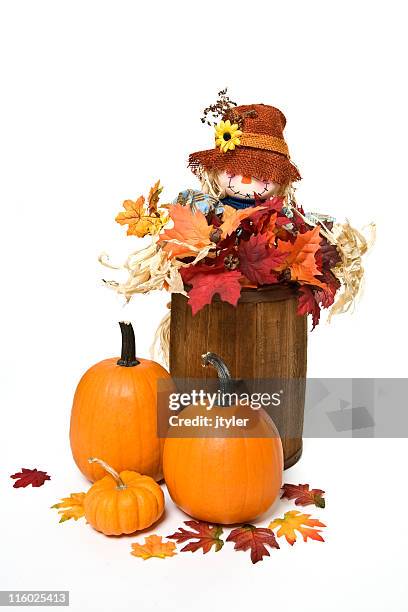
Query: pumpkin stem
point(110, 470)
point(128, 355)
point(223, 373)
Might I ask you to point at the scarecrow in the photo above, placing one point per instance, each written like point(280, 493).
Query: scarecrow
point(243, 227)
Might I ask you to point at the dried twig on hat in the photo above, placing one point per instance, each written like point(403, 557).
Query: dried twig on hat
point(222, 107)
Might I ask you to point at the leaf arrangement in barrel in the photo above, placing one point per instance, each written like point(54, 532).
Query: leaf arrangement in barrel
point(225, 250)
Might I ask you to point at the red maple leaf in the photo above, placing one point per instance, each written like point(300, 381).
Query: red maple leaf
point(206, 285)
point(303, 495)
point(249, 537)
point(35, 478)
point(257, 259)
point(308, 305)
point(260, 218)
point(206, 535)
point(189, 272)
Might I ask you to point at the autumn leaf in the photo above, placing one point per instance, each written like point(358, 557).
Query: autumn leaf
point(190, 229)
point(154, 196)
point(301, 257)
point(307, 304)
point(295, 521)
point(257, 259)
point(232, 218)
point(153, 547)
point(71, 507)
point(271, 208)
point(205, 286)
point(303, 495)
point(35, 478)
point(206, 535)
point(249, 537)
point(142, 220)
point(312, 298)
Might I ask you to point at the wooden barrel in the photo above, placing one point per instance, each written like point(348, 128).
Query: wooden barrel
point(261, 338)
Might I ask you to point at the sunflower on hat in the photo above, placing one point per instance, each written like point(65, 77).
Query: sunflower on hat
point(227, 135)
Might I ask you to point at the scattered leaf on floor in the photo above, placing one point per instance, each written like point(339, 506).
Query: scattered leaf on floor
point(35, 478)
point(205, 534)
point(303, 495)
point(71, 507)
point(295, 521)
point(249, 537)
point(154, 547)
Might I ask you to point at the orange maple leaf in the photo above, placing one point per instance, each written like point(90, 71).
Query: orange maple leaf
point(232, 218)
point(190, 229)
point(295, 521)
point(301, 257)
point(153, 547)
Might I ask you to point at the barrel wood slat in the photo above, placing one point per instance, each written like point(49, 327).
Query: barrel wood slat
point(263, 337)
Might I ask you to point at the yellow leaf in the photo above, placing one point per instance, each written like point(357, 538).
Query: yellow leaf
point(71, 507)
point(232, 218)
point(140, 222)
point(154, 547)
point(295, 521)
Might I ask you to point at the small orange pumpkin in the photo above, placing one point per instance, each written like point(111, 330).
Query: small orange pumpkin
point(114, 414)
point(122, 503)
point(224, 480)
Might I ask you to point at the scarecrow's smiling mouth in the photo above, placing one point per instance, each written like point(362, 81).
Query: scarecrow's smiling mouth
point(248, 196)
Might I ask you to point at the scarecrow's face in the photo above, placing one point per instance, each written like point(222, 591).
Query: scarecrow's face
point(246, 187)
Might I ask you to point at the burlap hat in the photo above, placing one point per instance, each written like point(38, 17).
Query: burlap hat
point(259, 150)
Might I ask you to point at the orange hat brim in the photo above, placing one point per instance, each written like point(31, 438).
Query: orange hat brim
point(262, 164)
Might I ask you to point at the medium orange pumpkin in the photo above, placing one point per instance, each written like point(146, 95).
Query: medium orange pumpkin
point(122, 503)
point(224, 480)
point(114, 414)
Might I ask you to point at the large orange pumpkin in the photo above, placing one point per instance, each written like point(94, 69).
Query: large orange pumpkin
point(114, 414)
point(224, 480)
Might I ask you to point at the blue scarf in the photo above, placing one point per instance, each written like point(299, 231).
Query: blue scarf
point(237, 203)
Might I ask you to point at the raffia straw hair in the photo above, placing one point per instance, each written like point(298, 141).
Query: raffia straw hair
point(352, 245)
point(160, 348)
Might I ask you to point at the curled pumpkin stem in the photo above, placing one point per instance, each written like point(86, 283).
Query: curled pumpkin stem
point(110, 470)
point(223, 374)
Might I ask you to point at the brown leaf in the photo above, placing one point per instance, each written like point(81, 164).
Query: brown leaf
point(249, 537)
point(154, 196)
point(303, 495)
point(205, 534)
point(153, 547)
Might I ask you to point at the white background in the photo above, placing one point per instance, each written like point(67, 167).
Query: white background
point(100, 99)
